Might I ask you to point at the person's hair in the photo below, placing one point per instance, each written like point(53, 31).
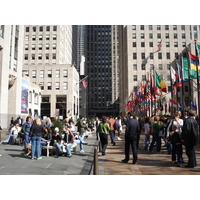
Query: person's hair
point(48, 120)
point(146, 120)
point(104, 119)
point(192, 113)
point(66, 120)
point(48, 129)
point(27, 118)
point(38, 121)
point(178, 113)
point(156, 118)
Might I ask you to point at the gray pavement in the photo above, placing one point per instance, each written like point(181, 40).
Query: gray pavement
point(14, 162)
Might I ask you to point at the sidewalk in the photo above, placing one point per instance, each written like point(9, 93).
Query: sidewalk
point(148, 163)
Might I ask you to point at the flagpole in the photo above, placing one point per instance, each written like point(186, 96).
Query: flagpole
point(182, 90)
point(172, 96)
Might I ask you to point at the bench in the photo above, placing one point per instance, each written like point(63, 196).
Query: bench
point(48, 147)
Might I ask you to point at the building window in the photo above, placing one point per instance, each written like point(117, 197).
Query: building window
point(183, 44)
point(26, 46)
point(54, 28)
point(134, 77)
point(40, 46)
point(133, 27)
point(34, 29)
point(143, 77)
point(26, 57)
point(27, 29)
point(57, 86)
point(141, 27)
point(133, 35)
point(33, 37)
point(64, 85)
point(143, 55)
point(41, 28)
point(47, 28)
point(150, 35)
point(159, 55)
point(54, 56)
point(150, 44)
point(41, 84)
point(166, 27)
point(47, 56)
point(47, 46)
point(174, 27)
point(26, 37)
point(143, 67)
point(183, 35)
point(65, 72)
point(175, 44)
point(2, 31)
point(167, 35)
point(41, 73)
point(134, 44)
point(49, 73)
point(159, 35)
point(33, 46)
point(142, 44)
point(168, 55)
point(175, 36)
point(39, 56)
point(182, 27)
point(40, 37)
point(47, 37)
point(54, 37)
point(142, 35)
point(49, 86)
point(57, 73)
point(160, 67)
point(151, 55)
point(158, 27)
point(152, 66)
point(134, 56)
point(150, 27)
point(34, 74)
point(134, 67)
point(30, 96)
point(176, 55)
point(167, 44)
point(33, 56)
point(54, 46)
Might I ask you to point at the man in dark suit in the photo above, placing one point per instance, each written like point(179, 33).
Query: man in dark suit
point(131, 134)
point(189, 137)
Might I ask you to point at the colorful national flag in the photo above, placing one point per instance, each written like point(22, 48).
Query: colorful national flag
point(173, 77)
point(185, 64)
point(194, 65)
point(85, 82)
point(159, 82)
point(180, 75)
point(159, 46)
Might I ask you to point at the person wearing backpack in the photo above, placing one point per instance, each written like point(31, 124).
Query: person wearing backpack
point(117, 127)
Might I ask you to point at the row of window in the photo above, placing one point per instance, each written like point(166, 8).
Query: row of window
point(151, 44)
point(159, 36)
point(143, 56)
point(49, 73)
point(39, 56)
point(41, 28)
point(40, 46)
point(158, 27)
point(49, 86)
point(143, 67)
point(40, 37)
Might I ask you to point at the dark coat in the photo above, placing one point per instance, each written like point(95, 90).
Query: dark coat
point(190, 132)
point(37, 130)
point(132, 129)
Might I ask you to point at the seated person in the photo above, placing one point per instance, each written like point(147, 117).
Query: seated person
point(13, 134)
point(56, 140)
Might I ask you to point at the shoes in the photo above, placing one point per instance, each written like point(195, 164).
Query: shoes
point(188, 166)
point(134, 162)
point(84, 143)
point(40, 158)
point(103, 153)
point(114, 144)
point(158, 152)
point(125, 161)
point(69, 156)
point(82, 151)
point(55, 156)
point(32, 158)
point(174, 162)
point(119, 138)
point(179, 165)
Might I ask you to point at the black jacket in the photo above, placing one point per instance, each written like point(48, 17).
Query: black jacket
point(37, 130)
point(132, 129)
point(190, 132)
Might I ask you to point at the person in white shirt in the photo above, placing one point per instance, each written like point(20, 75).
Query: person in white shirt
point(13, 134)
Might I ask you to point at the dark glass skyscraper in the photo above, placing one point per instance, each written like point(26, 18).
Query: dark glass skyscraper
point(102, 91)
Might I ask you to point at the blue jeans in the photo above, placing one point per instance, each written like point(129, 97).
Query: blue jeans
point(146, 142)
point(112, 136)
point(58, 148)
point(80, 137)
point(26, 139)
point(35, 146)
point(68, 149)
point(42, 143)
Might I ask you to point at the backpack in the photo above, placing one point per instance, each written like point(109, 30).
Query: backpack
point(116, 125)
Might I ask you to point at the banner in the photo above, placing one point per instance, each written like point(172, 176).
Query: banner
point(24, 97)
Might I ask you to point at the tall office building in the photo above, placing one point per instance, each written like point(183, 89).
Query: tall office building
point(137, 48)
point(102, 68)
point(50, 57)
point(14, 87)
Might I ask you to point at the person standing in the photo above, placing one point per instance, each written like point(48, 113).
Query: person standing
point(36, 135)
point(26, 129)
point(111, 122)
point(189, 138)
point(131, 134)
point(103, 130)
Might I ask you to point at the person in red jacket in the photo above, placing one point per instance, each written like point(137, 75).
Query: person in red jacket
point(111, 122)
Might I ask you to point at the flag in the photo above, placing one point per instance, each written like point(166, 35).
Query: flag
point(159, 46)
point(194, 64)
point(85, 82)
point(173, 77)
point(159, 82)
point(193, 105)
point(185, 64)
point(198, 49)
point(180, 76)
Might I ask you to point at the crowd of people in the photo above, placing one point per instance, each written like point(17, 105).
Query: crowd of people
point(36, 133)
